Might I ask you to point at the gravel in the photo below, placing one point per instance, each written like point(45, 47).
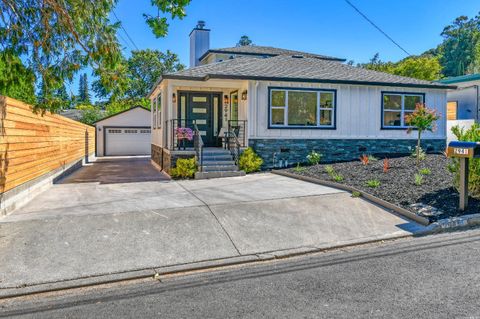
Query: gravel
point(398, 186)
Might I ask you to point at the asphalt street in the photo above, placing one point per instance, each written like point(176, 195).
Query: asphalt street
point(436, 276)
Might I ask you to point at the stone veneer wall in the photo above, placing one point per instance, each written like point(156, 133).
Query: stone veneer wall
point(292, 151)
point(167, 159)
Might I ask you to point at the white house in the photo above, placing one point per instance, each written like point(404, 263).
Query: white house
point(284, 104)
point(124, 133)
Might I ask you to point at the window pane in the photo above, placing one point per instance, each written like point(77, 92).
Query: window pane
point(278, 98)
point(326, 117)
point(411, 101)
point(392, 118)
point(278, 116)
point(302, 108)
point(326, 100)
point(392, 102)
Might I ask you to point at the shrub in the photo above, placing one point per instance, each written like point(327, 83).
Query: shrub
point(425, 171)
point(186, 168)
point(422, 119)
point(298, 168)
point(250, 161)
point(386, 165)
point(419, 153)
point(364, 159)
point(314, 158)
point(337, 177)
point(373, 183)
point(472, 135)
point(418, 179)
point(329, 169)
point(372, 158)
point(356, 194)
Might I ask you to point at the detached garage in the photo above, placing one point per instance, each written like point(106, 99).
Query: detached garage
point(125, 133)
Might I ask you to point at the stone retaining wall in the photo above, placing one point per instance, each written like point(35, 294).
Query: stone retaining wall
point(287, 152)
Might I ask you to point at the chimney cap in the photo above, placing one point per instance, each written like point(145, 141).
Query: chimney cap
point(200, 24)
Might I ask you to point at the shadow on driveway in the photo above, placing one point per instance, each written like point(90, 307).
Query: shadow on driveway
point(113, 170)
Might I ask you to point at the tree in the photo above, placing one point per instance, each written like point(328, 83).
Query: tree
point(142, 70)
point(83, 90)
point(460, 50)
point(423, 67)
point(16, 80)
point(145, 67)
point(419, 67)
point(62, 94)
point(244, 40)
point(60, 37)
point(422, 119)
point(377, 65)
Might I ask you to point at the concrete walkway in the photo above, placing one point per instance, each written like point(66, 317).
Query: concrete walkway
point(79, 230)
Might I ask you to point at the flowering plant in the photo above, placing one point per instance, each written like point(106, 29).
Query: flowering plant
point(422, 119)
point(184, 133)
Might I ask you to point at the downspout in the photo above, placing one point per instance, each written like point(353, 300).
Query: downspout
point(478, 103)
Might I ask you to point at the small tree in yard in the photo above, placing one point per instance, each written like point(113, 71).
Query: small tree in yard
point(422, 119)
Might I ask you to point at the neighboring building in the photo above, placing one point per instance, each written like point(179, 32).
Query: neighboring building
point(286, 103)
point(124, 133)
point(463, 102)
point(73, 114)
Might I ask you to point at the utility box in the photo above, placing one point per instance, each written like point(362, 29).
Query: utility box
point(463, 149)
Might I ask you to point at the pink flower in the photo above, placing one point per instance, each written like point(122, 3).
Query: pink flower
point(184, 133)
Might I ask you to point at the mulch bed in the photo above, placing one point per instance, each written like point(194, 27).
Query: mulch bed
point(398, 187)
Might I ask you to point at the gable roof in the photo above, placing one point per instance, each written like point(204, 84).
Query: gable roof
point(124, 111)
point(266, 52)
point(297, 69)
point(462, 78)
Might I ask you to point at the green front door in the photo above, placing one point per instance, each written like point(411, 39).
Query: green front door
point(204, 110)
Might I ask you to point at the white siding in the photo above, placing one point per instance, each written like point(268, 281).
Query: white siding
point(133, 118)
point(358, 112)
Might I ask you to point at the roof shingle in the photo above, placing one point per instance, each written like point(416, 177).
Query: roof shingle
point(267, 51)
point(297, 69)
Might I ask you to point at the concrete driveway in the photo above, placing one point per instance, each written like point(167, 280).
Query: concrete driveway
point(79, 230)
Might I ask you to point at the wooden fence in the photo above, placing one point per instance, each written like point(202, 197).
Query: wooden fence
point(32, 145)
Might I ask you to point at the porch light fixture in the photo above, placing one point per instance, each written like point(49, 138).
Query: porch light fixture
point(174, 98)
point(244, 95)
point(225, 99)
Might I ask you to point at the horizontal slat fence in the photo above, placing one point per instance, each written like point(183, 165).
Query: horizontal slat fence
point(32, 145)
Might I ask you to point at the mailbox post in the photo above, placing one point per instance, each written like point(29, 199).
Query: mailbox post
point(464, 151)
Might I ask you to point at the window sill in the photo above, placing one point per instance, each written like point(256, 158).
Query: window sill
point(270, 127)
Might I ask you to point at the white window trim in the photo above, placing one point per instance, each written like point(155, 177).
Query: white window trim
point(402, 108)
point(318, 110)
point(159, 110)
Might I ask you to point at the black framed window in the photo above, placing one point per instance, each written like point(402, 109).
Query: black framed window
point(396, 105)
point(301, 108)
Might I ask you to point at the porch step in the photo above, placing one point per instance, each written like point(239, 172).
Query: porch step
point(207, 175)
point(219, 168)
point(216, 157)
point(217, 162)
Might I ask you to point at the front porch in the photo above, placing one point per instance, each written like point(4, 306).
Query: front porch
point(195, 119)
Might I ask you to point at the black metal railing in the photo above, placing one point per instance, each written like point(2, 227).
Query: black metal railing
point(233, 145)
point(179, 132)
point(239, 127)
point(198, 145)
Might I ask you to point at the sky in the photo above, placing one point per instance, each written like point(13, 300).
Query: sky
point(329, 27)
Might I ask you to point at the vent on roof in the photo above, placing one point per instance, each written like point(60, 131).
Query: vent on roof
point(297, 56)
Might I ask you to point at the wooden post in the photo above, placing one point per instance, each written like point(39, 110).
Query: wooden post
point(86, 146)
point(464, 167)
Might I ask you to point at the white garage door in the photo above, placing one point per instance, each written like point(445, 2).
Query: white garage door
point(127, 141)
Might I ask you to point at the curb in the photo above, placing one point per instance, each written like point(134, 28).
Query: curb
point(399, 210)
point(158, 273)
